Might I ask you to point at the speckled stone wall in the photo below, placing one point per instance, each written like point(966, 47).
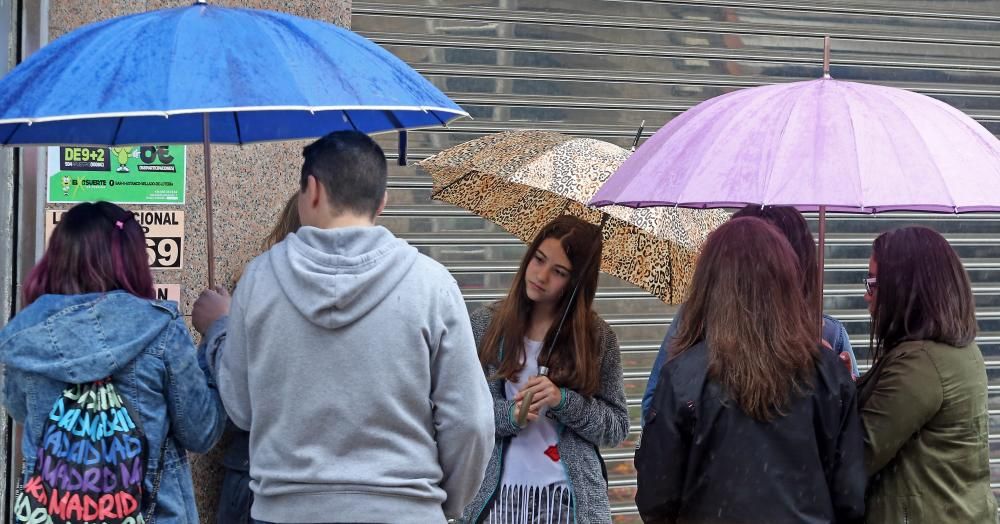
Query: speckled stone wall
point(250, 185)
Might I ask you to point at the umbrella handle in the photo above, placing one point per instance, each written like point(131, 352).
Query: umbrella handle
point(522, 414)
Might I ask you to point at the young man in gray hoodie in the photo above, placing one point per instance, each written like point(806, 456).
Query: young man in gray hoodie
point(350, 359)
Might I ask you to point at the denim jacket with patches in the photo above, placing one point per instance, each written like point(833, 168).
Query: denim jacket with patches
point(145, 347)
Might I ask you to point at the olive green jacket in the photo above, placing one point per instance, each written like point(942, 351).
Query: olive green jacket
point(926, 436)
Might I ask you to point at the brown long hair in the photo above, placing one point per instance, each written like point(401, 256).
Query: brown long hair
point(288, 222)
point(793, 225)
point(574, 362)
point(760, 349)
point(922, 291)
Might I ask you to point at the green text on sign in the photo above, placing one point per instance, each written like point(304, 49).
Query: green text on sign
point(125, 175)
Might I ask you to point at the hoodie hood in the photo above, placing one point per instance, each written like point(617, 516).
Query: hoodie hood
point(82, 338)
point(333, 277)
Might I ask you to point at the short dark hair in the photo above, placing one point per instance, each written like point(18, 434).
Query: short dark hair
point(923, 291)
point(352, 168)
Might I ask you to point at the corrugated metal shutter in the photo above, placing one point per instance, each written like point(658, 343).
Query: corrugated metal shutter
point(597, 68)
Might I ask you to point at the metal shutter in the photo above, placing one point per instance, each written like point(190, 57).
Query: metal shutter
point(597, 68)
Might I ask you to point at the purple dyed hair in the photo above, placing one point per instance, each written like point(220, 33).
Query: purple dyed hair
point(90, 253)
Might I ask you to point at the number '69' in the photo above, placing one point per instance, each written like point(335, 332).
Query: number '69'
point(162, 252)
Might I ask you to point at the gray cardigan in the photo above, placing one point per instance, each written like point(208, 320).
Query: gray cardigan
point(585, 424)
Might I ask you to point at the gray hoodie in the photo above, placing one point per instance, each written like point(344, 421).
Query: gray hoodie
point(350, 359)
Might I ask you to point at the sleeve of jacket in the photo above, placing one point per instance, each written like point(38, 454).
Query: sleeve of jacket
point(843, 345)
point(907, 395)
point(602, 419)
point(661, 358)
point(503, 409)
point(661, 459)
point(213, 342)
point(461, 399)
point(197, 416)
point(228, 355)
point(847, 487)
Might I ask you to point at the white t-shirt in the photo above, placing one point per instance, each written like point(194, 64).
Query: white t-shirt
point(532, 458)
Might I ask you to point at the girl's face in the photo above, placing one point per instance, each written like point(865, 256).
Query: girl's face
point(548, 272)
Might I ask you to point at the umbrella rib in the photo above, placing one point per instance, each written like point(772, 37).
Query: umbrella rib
point(349, 119)
point(239, 134)
point(11, 135)
point(453, 182)
point(784, 127)
point(937, 165)
point(951, 115)
point(392, 118)
point(435, 115)
point(118, 128)
point(857, 157)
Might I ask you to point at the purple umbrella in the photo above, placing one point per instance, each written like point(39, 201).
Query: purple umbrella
point(817, 145)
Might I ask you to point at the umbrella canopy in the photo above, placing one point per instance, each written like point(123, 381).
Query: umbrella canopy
point(523, 179)
point(205, 74)
point(259, 75)
point(850, 147)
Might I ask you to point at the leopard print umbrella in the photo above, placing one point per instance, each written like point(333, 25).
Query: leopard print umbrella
point(521, 180)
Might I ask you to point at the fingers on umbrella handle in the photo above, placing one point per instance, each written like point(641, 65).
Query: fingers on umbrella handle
point(522, 415)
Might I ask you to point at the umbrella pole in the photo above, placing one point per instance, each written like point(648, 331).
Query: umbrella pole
point(210, 241)
point(822, 260)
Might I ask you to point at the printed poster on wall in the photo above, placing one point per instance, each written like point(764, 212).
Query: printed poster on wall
point(124, 175)
point(164, 235)
point(170, 292)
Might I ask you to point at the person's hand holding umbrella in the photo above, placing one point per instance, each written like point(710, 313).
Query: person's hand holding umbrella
point(211, 305)
point(538, 393)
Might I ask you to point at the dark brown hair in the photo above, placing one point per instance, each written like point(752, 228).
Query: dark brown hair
point(96, 247)
point(575, 358)
point(352, 168)
point(922, 291)
point(793, 225)
point(761, 348)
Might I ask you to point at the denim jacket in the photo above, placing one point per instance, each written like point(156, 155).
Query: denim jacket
point(145, 347)
point(833, 332)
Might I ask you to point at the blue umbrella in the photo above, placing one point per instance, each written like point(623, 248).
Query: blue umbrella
point(204, 73)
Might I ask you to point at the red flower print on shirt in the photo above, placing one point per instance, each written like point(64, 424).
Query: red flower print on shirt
point(553, 453)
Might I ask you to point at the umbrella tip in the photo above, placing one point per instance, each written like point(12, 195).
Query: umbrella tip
point(826, 56)
point(638, 135)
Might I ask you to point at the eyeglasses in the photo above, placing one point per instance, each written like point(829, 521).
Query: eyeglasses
point(870, 284)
